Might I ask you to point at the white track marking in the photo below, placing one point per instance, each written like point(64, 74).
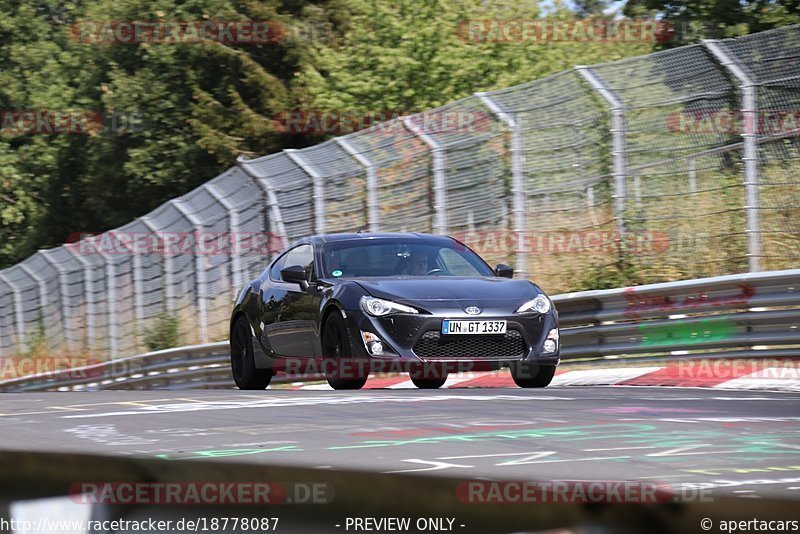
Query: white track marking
point(771, 378)
point(435, 466)
point(597, 377)
point(290, 401)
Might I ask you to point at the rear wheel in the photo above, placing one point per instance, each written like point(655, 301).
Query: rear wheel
point(243, 366)
point(429, 376)
point(532, 375)
point(342, 370)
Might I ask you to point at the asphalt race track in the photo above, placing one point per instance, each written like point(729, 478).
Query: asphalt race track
point(744, 443)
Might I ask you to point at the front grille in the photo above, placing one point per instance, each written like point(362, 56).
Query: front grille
point(434, 346)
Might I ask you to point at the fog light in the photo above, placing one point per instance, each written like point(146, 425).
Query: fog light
point(551, 343)
point(372, 343)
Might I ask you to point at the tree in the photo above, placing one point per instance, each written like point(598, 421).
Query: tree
point(34, 77)
point(201, 105)
point(693, 20)
point(589, 8)
point(411, 55)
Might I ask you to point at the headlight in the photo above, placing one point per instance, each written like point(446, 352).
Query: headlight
point(541, 304)
point(380, 307)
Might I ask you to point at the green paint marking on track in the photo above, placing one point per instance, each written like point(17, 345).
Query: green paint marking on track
point(223, 453)
point(574, 433)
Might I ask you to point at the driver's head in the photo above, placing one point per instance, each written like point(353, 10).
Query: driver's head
point(333, 260)
point(418, 264)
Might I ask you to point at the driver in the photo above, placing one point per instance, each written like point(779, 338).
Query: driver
point(417, 264)
point(334, 262)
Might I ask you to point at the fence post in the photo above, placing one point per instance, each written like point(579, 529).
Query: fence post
point(166, 264)
point(138, 291)
point(439, 183)
point(618, 147)
point(637, 190)
point(319, 188)
point(517, 180)
point(233, 225)
point(43, 301)
point(750, 156)
point(271, 198)
point(18, 316)
point(88, 289)
point(2, 334)
point(373, 209)
point(111, 299)
point(62, 293)
point(199, 272)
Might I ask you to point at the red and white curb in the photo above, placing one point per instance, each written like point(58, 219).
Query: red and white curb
point(719, 375)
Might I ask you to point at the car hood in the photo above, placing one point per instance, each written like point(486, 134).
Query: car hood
point(451, 289)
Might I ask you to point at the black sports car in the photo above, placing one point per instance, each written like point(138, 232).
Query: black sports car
point(350, 304)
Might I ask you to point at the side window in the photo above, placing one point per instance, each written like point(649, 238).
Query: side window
point(302, 255)
point(275, 271)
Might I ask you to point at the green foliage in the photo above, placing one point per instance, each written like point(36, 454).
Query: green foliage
point(203, 104)
point(411, 55)
point(200, 104)
point(587, 8)
point(621, 273)
point(163, 334)
point(693, 20)
point(38, 345)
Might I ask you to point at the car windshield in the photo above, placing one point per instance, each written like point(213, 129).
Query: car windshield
point(382, 258)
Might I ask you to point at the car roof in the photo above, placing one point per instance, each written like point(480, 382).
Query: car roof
point(367, 236)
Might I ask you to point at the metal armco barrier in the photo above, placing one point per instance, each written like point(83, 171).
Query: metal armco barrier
point(738, 316)
point(749, 315)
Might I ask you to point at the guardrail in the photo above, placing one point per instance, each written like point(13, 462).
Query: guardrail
point(735, 316)
point(738, 316)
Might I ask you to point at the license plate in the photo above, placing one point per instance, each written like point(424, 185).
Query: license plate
point(473, 327)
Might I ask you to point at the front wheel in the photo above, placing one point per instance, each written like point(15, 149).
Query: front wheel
point(429, 376)
point(532, 375)
point(243, 365)
point(342, 371)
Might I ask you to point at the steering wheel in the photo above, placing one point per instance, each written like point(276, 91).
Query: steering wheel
point(434, 271)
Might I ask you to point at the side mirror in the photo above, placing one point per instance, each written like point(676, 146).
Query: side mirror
point(295, 274)
point(504, 270)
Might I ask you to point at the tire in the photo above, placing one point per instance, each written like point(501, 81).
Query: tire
point(243, 366)
point(342, 370)
point(429, 377)
point(532, 375)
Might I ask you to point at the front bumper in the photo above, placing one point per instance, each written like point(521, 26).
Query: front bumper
point(416, 339)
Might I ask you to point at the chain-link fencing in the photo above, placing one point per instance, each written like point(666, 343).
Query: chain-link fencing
point(680, 164)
